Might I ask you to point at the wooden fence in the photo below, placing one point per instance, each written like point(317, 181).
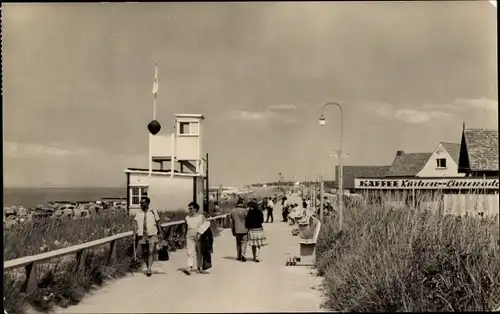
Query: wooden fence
point(30, 262)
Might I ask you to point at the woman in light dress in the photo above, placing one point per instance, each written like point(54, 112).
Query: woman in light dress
point(194, 220)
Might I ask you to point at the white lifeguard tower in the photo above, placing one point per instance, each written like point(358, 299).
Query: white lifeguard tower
point(179, 168)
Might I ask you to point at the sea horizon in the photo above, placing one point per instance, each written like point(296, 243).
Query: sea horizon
point(33, 196)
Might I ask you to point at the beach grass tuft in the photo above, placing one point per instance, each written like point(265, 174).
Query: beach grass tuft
point(395, 259)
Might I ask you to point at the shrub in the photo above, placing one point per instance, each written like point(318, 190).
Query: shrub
point(389, 259)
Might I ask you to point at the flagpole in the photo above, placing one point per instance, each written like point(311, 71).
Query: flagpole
point(154, 107)
point(150, 157)
point(155, 92)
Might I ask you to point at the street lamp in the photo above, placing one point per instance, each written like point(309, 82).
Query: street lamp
point(322, 121)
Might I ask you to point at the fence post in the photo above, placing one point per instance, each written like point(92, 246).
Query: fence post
point(112, 252)
point(81, 256)
point(30, 285)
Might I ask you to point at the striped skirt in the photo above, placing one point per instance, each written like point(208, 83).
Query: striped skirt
point(256, 237)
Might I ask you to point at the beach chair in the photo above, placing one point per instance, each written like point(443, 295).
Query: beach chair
point(307, 249)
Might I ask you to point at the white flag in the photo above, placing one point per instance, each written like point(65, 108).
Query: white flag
point(155, 82)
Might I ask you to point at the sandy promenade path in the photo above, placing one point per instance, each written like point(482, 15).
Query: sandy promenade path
point(231, 286)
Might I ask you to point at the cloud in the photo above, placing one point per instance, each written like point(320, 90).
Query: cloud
point(278, 113)
point(22, 150)
point(426, 113)
point(282, 107)
point(482, 103)
point(414, 116)
point(406, 115)
point(33, 164)
point(18, 150)
point(248, 115)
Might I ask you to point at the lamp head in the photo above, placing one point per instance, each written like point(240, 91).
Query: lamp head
point(322, 120)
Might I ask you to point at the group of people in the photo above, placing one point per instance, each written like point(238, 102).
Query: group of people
point(199, 238)
point(288, 211)
point(246, 226)
point(247, 221)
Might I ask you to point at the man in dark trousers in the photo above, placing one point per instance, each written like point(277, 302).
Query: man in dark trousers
point(240, 232)
point(269, 206)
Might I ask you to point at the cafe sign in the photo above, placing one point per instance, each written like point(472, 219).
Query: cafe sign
point(426, 184)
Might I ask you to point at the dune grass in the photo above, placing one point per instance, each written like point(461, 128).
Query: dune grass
point(403, 259)
point(59, 284)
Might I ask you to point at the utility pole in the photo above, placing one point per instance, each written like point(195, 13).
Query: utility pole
point(313, 190)
point(322, 195)
point(279, 182)
point(207, 195)
point(340, 194)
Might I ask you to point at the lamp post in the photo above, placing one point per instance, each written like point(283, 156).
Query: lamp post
point(336, 154)
point(322, 121)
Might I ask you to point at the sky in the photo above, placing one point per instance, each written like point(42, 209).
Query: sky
point(77, 82)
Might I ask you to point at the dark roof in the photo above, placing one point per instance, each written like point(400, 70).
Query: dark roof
point(479, 150)
point(352, 172)
point(453, 149)
point(408, 164)
point(152, 170)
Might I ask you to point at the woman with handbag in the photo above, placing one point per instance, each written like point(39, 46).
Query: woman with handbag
point(193, 221)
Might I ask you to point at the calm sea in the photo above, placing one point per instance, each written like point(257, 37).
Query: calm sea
point(30, 197)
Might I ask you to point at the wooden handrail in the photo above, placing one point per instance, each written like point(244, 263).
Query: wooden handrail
point(27, 260)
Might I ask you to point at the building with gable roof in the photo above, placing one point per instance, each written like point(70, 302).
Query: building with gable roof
point(478, 155)
point(443, 162)
point(407, 165)
point(454, 178)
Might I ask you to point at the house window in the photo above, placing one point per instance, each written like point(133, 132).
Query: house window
point(441, 162)
point(137, 193)
point(189, 128)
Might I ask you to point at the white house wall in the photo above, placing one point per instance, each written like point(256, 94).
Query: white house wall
point(430, 170)
point(187, 148)
point(161, 145)
point(166, 193)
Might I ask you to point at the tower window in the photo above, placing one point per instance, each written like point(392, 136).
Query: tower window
point(189, 128)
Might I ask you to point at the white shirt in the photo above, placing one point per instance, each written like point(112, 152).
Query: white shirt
point(193, 223)
point(151, 218)
point(270, 203)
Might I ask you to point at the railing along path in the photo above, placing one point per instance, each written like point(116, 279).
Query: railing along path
point(29, 262)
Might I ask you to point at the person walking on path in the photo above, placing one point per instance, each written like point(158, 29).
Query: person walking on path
point(238, 226)
point(284, 208)
point(194, 220)
point(256, 237)
point(146, 229)
point(269, 207)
